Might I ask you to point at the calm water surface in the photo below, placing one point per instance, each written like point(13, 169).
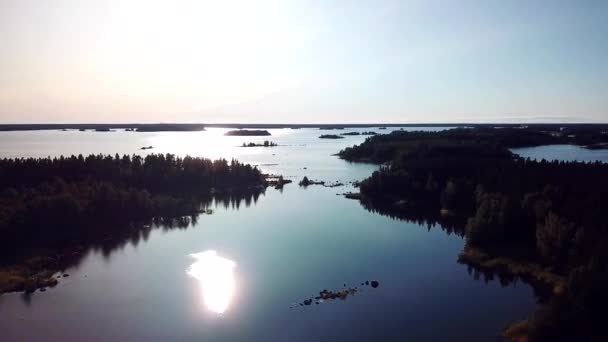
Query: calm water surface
point(233, 275)
point(563, 152)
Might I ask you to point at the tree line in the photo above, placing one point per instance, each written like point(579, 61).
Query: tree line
point(547, 212)
point(53, 202)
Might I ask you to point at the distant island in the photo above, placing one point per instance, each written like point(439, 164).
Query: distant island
point(359, 133)
point(247, 133)
point(549, 127)
point(266, 143)
point(543, 221)
point(169, 128)
point(51, 208)
point(331, 136)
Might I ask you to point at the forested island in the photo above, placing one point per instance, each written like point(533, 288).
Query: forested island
point(330, 136)
point(247, 133)
point(266, 143)
point(543, 221)
point(51, 209)
point(360, 133)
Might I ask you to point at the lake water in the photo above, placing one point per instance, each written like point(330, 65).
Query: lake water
point(258, 260)
point(563, 152)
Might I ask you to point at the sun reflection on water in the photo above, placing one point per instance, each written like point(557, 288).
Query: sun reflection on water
point(216, 277)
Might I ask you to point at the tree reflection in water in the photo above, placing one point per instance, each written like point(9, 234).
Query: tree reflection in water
point(106, 239)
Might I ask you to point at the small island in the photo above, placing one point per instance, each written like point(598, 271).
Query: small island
point(276, 181)
point(360, 133)
point(247, 133)
point(266, 143)
point(306, 182)
point(331, 136)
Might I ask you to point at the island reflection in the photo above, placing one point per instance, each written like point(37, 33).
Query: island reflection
point(216, 278)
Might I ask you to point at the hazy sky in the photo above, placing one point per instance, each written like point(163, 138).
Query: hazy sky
point(303, 61)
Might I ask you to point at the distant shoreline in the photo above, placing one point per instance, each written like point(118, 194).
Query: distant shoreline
point(184, 127)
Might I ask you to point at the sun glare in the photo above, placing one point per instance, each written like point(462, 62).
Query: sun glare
point(216, 277)
point(199, 52)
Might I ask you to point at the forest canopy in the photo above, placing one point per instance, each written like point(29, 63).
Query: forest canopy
point(550, 213)
point(49, 203)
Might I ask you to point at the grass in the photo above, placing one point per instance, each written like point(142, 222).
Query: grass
point(477, 257)
point(516, 332)
point(33, 274)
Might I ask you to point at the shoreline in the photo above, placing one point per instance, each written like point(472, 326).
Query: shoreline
point(528, 271)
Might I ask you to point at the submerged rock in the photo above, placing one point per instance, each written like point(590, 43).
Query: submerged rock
point(341, 294)
point(306, 182)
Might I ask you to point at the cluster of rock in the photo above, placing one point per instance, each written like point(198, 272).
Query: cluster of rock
point(306, 182)
point(276, 181)
point(342, 294)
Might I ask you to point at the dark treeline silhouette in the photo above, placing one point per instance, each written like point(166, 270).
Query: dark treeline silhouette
point(48, 203)
point(360, 133)
point(551, 215)
point(266, 143)
point(382, 148)
point(578, 127)
point(247, 132)
point(169, 128)
point(330, 136)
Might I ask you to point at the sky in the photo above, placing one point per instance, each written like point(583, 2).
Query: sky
point(291, 61)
